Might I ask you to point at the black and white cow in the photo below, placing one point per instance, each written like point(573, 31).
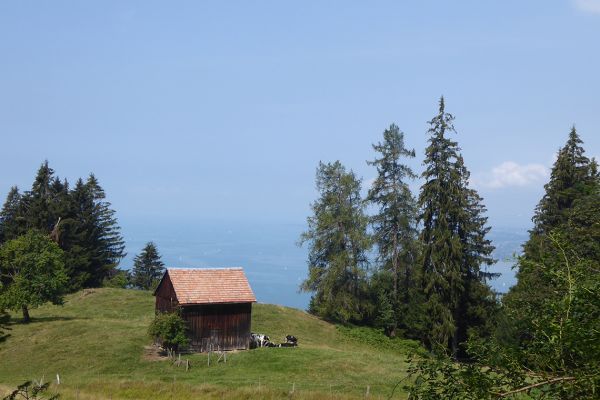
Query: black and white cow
point(258, 340)
point(290, 341)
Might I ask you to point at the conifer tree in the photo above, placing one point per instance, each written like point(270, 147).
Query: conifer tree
point(77, 233)
point(80, 220)
point(453, 241)
point(570, 208)
point(11, 220)
point(394, 224)
point(572, 178)
point(148, 268)
point(338, 245)
point(106, 241)
point(38, 200)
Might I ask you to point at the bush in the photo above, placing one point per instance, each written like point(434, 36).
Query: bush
point(170, 330)
point(118, 278)
point(377, 339)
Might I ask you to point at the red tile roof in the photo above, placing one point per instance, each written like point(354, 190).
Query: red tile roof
point(209, 286)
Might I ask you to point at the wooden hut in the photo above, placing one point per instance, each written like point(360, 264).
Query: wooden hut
point(216, 303)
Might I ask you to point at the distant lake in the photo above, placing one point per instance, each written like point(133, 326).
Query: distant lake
point(274, 264)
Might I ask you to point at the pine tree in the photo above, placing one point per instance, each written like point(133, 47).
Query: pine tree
point(77, 234)
point(572, 177)
point(394, 224)
point(37, 201)
point(453, 241)
point(569, 208)
point(105, 242)
point(11, 218)
point(338, 245)
point(80, 220)
point(147, 268)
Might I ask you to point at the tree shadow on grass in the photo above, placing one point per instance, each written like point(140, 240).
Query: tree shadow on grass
point(37, 320)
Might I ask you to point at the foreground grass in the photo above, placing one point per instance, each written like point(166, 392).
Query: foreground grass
point(96, 343)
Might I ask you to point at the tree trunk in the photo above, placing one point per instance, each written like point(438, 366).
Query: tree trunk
point(26, 317)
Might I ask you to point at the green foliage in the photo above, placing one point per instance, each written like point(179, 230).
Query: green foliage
point(386, 317)
point(29, 391)
point(377, 338)
point(32, 272)
point(80, 220)
point(170, 330)
point(573, 177)
point(565, 240)
point(547, 341)
point(118, 278)
point(394, 224)
point(558, 356)
point(454, 245)
point(11, 222)
point(338, 245)
point(147, 268)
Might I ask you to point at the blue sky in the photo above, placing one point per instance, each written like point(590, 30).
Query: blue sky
point(222, 110)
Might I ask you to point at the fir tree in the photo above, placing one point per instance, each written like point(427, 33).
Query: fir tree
point(37, 201)
point(338, 243)
point(77, 233)
point(394, 224)
point(80, 220)
point(453, 241)
point(147, 268)
point(11, 219)
point(573, 176)
point(106, 242)
point(570, 208)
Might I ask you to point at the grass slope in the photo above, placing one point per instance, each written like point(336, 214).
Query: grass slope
point(96, 343)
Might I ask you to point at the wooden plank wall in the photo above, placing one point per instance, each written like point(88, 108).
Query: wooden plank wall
point(225, 325)
point(166, 299)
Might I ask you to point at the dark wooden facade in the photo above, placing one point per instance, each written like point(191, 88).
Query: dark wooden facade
point(166, 298)
point(224, 326)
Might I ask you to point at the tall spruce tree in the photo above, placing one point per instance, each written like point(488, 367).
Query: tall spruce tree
point(569, 208)
point(453, 242)
point(38, 200)
point(77, 233)
point(573, 177)
point(394, 224)
point(338, 244)
point(11, 220)
point(106, 242)
point(148, 268)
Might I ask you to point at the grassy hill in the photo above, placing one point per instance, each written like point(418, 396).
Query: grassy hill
point(97, 340)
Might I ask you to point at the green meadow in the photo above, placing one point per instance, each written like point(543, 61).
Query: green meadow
point(97, 342)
